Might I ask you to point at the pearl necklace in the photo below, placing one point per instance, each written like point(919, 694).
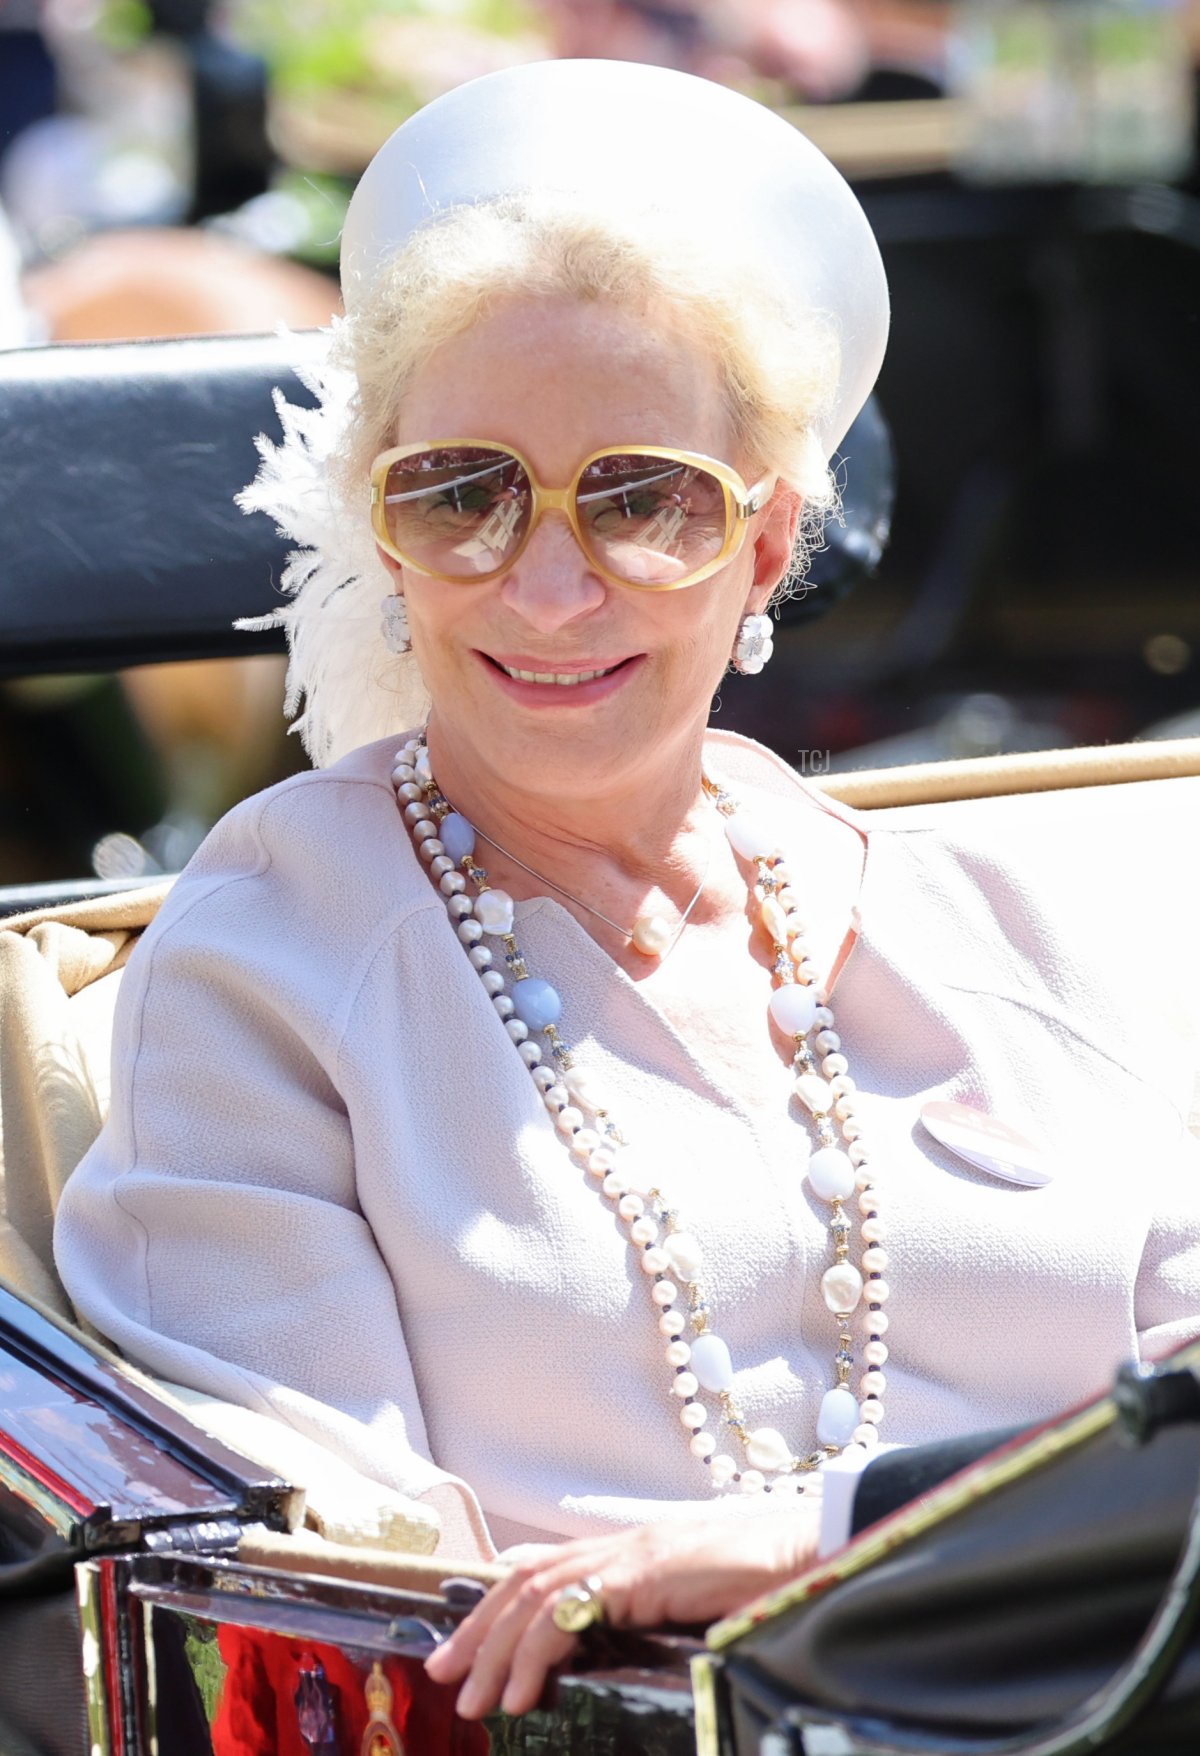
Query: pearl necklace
point(445, 841)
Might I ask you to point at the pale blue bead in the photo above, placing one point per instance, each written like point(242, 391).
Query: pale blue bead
point(711, 1363)
point(457, 836)
point(838, 1418)
point(537, 1003)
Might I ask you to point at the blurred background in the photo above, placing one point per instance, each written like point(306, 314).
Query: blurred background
point(176, 167)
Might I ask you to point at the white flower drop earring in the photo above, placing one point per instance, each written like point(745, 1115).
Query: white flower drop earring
point(754, 645)
point(394, 626)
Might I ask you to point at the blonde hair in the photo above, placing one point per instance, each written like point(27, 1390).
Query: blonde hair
point(779, 372)
point(778, 369)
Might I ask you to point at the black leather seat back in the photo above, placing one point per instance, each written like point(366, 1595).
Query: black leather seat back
point(119, 540)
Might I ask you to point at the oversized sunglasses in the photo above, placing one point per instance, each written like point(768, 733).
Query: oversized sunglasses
point(645, 516)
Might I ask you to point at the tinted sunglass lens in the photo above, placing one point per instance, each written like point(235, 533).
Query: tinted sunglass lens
point(651, 520)
point(461, 511)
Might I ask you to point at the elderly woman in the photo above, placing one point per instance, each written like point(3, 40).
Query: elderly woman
point(535, 1106)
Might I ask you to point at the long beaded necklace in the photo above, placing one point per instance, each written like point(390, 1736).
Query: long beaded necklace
point(698, 1359)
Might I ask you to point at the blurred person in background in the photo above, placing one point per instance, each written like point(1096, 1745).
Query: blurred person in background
point(820, 50)
point(815, 46)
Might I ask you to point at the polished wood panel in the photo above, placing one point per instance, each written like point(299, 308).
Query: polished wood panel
point(91, 1449)
point(90, 1457)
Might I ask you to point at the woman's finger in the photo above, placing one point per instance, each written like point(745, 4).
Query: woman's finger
point(494, 1655)
point(541, 1645)
point(455, 1656)
point(540, 1648)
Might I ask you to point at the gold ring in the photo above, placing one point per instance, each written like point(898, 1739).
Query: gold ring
point(579, 1606)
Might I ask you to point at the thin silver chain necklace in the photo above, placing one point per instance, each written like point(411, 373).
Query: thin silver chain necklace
point(651, 934)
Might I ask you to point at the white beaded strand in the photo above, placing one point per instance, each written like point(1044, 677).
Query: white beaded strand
point(798, 1008)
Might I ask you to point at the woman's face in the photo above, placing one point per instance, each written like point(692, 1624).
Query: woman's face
point(557, 380)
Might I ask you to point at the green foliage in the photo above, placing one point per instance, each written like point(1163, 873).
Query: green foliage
point(326, 44)
point(1125, 39)
point(123, 24)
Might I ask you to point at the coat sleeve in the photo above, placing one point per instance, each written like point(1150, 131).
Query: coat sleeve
point(213, 1231)
point(1168, 1285)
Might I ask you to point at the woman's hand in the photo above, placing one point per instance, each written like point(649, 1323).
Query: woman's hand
point(688, 1572)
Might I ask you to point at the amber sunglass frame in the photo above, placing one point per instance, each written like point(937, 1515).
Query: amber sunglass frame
point(741, 504)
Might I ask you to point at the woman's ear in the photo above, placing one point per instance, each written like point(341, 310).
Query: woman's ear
point(774, 543)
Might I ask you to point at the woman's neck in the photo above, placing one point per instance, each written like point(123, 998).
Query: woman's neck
point(623, 836)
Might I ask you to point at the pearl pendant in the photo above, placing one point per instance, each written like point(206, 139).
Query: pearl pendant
point(841, 1287)
point(685, 1255)
point(793, 1009)
point(831, 1175)
point(813, 1093)
point(768, 1450)
point(494, 911)
point(652, 935)
point(750, 836)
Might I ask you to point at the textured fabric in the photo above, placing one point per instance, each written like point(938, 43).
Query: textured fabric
point(58, 984)
point(327, 1187)
point(258, 1708)
point(337, 1503)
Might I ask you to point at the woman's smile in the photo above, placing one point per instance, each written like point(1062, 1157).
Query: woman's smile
point(541, 682)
